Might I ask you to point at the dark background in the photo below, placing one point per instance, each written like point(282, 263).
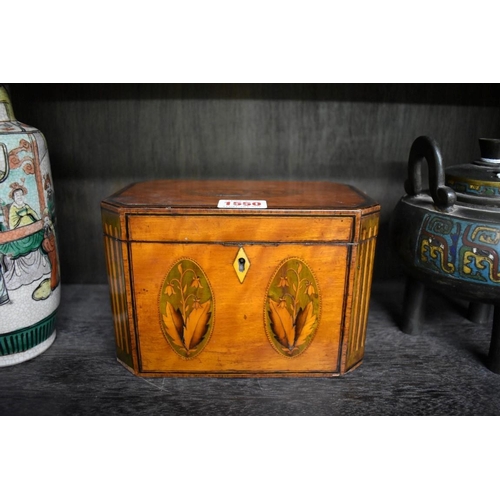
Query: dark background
point(102, 137)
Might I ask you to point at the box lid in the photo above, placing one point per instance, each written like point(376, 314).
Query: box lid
point(206, 194)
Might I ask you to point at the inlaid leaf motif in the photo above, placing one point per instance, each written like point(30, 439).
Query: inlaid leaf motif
point(197, 325)
point(292, 308)
point(177, 318)
point(186, 308)
point(281, 323)
point(174, 324)
point(304, 325)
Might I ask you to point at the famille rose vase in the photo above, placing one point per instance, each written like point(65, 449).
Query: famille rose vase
point(29, 264)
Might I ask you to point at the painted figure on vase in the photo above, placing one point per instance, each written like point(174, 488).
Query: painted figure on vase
point(49, 246)
point(30, 257)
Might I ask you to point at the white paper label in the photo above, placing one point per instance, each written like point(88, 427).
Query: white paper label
point(253, 204)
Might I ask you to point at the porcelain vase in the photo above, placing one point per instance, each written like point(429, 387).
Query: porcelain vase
point(29, 264)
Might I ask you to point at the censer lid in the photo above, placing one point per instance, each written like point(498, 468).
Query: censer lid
point(478, 182)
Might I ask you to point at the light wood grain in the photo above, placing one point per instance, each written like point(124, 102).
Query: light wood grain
point(249, 228)
point(239, 342)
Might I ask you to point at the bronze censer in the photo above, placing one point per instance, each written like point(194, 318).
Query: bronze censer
point(448, 236)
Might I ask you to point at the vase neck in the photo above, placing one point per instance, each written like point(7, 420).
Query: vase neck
point(6, 111)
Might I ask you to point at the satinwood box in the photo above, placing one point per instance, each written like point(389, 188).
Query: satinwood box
point(240, 278)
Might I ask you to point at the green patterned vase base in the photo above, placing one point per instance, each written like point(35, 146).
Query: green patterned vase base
point(20, 357)
point(26, 343)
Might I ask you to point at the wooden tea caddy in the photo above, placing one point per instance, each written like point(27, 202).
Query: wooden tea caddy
point(240, 278)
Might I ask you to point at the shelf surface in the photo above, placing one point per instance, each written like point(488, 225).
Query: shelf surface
point(440, 371)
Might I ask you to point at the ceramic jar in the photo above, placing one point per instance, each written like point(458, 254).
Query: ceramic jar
point(29, 264)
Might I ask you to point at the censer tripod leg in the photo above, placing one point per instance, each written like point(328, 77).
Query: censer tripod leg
point(413, 306)
point(494, 354)
point(479, 312)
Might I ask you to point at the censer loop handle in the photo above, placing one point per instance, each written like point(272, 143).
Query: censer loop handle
point(425, 148)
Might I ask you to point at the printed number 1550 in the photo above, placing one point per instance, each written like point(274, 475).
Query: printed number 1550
point(256, 204)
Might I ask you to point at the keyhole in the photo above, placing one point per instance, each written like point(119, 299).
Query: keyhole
point(241, 261)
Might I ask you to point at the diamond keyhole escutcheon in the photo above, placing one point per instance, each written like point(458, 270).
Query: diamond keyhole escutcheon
point(241, 264)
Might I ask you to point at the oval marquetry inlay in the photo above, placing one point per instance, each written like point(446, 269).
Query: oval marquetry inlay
point(186, 308)
point(292, 308)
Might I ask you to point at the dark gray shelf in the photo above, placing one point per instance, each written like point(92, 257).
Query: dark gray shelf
point(441, 371)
